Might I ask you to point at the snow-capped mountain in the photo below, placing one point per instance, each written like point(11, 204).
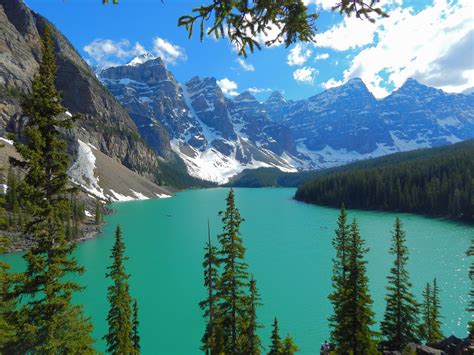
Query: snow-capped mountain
point(218, 137)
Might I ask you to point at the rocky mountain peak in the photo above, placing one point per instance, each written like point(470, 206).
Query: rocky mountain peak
point(245, 96)
point(150, 72)
point(142, 58)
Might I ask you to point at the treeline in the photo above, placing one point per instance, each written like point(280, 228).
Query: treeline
point(436, 182)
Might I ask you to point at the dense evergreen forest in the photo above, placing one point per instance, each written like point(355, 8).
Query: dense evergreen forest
point(435, 182)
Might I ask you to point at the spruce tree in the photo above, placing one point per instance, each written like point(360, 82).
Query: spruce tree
point(135, 326)
point(437, 334)
point(426, 331)
point(277, 347)
point(357, 303)
point(98, 213)
point(470, 307)
point(211, 268)
point(340, 243)
point(289, 347)
point(234, 278)
point(47, 320)
point(400, 322)
point(250, 341)
point(7, 305)
point(119, 336)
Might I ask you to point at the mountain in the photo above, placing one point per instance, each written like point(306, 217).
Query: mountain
point(215, 137)
point(432, 181)
point(103, 124)
point(219, 137)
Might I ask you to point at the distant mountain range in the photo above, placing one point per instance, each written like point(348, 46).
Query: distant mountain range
point(141, 117)
point(218, 137)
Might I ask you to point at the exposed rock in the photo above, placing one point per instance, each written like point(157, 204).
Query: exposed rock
point(104, 123)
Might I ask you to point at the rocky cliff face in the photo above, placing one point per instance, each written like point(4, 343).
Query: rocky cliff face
point(104, 123)
point(218, 137)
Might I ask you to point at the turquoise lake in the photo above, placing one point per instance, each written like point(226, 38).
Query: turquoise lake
point(288, 251)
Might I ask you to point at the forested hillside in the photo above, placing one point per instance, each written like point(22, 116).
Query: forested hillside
point(435, 182)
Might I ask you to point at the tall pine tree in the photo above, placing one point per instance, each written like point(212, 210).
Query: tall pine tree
point(210, 343)
point(250, 341)
point(426, 327)
point(339, 331)
point(470, 307)
point(357, 302)
point(276, 347)
point(48, 322)
point(119, 337)
point(400, 322)
point(135, 326)
point(437, 334)
point(234, 278)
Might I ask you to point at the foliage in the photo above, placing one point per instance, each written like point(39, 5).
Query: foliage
point(400, 323)
point(119, 338)
point(340, 268)
point(135, 326)
point(436, 182)
point(276, 347)
point(47, 321)
point(289, 347)
point(470, 307)
point(242, 21)
point(250, 336)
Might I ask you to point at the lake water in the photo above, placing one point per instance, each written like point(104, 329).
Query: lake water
point(289, 253)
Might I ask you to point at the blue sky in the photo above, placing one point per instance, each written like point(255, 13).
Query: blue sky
point(430, 40)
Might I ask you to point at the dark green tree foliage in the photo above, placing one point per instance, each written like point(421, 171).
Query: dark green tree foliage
point(430, 328)
point(400, 322)
point(277, 347)
point(242, 20)
point(47, 320)
point(289, 347)
point(98, 213)
point(211, 278)
point(12, 199)
point(435, 182)
point(7, 305)
point(119, 338)
point(357, 302)
point(135, 326)
point(253, 344)
point(233, 281)
point(437, 335)
point(340, 269)
point(470, 307)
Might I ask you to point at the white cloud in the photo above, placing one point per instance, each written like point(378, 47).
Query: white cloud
point(332, 83)
point(255, 90)
point(167, 51)
point(329, 4)
point(244, 65)
point(350, 33)
point(434, 46)
point(106, 52)
point(228, 87)
point(305, 75)
point(298, 55)
point(322, 56)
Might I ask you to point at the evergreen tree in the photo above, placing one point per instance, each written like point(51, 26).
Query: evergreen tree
point(7, 305)
point(470, 307)
point(250, 341)
point(276, 347)
point(358, 316)
point(400, 322)
point(426, 331)
point(289, 347)
point(211, 266)
point(120, 334)
point(339, 331)
point(135, 333)
point(234, 278)
point(98, 213)
point(47, 320)
point(437, 335)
